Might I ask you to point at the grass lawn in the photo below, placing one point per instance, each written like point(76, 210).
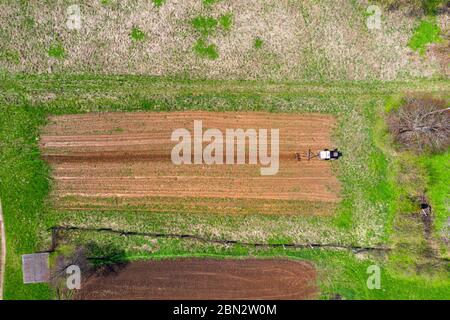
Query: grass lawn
point(437, 168)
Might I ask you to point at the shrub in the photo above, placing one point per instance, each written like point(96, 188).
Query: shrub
point(206, 51)
point(421, 124)
point(56, 50)
point(204, 25)
point(209, 2)
point(258, 43)
point(427, 32)
point(226, 21)
point(158, 3)
point(137, 34)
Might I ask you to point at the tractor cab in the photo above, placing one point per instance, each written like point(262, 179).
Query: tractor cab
point(329, 154)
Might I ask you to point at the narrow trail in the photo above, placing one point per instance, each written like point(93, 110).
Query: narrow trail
point(2, 252)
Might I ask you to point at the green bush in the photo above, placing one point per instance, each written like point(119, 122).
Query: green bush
point(258, 43)
point(56, 50)
point(158, 3)
point(206, 50)
point(426, 33)
point(226, 21)
point(209, 2)
point(204, 25)
point(137, 34)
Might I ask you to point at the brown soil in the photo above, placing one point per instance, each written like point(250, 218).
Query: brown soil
point(197, 279)
point(127, 156)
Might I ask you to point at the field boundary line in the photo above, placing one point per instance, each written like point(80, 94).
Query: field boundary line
point(355, 249)
point(3, 251)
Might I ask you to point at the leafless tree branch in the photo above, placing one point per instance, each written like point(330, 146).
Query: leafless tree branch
point(421, 124)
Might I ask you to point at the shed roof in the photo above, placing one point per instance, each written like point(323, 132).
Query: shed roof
point(35, 268)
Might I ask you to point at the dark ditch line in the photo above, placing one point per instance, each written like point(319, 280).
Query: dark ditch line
point(355, 249)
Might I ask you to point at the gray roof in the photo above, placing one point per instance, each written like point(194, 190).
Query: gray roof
point(35, 268)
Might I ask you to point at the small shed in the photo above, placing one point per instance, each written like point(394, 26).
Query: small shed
point(35, 268)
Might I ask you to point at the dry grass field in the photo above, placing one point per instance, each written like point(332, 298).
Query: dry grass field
point(276, 40)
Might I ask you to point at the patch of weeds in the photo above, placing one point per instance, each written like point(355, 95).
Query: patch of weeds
point(158, 3)
point(431, 6)
point(11, 56)
point(426, 33)
point(258, 43)
point(29, 22)
point(205, 50)
point(277, 240)
point(105, 2)
point(137, 34)
point(226, 21)
point(209, 2)
point(56, 50)
point(117, 130)
point(393, 103)
point(204, 25)
point(417, 7)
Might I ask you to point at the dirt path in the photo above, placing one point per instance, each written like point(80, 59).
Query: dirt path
point(2, 252)
point(127, 156)
point(211, 279)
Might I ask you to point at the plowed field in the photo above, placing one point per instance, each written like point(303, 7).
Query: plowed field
point(197, 279)
point(123, 160)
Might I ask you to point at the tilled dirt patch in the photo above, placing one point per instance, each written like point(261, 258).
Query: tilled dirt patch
point(192, 279)
point(127, 156)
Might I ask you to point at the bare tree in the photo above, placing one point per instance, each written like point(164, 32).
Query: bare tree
point(59, 275)
point(421, 124)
